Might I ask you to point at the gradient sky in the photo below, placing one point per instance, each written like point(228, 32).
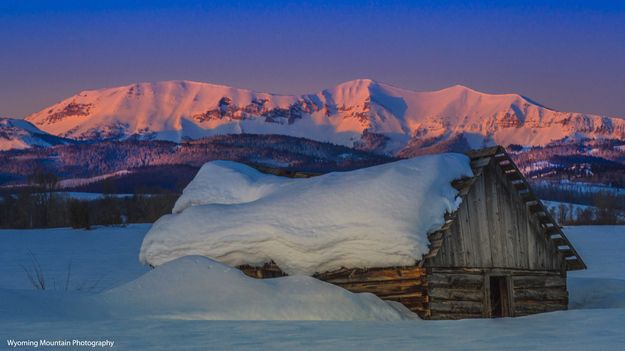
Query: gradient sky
point(568, 55)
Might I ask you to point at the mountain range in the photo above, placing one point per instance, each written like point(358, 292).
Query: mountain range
point(362, 113)
point(158, 134)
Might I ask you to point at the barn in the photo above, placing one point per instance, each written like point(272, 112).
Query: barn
point(500, 254)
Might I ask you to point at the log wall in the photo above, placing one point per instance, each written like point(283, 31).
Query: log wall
point(445, 293)
point(460, 293)
point(406, 285)
point(456, 293)
point(537, 292)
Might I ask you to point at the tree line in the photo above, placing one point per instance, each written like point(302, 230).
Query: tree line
point(40, 205)
point(599, 207)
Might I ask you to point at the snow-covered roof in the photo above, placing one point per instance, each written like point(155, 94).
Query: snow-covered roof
point(373, 217)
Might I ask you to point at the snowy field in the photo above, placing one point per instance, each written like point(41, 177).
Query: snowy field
point(112, 296)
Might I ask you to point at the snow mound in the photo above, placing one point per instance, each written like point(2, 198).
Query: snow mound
point(226, 182)
point(373, 217)
point(198, 288)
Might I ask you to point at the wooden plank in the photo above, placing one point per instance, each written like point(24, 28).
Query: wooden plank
point(506, 167)
point(439, 294)
point(535, 208)
point(514, 176)
point(465, 270)
point(541, 294)
point(453, 316)
point(377, 274)
point(465, 281)
point(436, 235)
point(386, 289)
point(521, 186)
point(481, 162)
point(573, 265)
point(462, 182)
point(418, 294)
point(456, 306)
point(552, 230)
point(478, 246)
point(525, 282)
point(524, 308)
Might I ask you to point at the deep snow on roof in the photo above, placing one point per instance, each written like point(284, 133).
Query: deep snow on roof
point(373, 217)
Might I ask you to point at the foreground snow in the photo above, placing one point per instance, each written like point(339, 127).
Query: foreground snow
point(197, 288)
point(96, 260)
point(29, 314)
point(373, 217)
point(581, 330)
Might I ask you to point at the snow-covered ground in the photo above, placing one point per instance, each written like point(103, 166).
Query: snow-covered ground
point(595, 324)
point(101, 258)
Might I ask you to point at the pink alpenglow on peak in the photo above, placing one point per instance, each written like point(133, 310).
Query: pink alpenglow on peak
point(344, 114)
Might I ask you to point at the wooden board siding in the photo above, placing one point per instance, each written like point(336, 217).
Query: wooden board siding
point(459, 293)
point(406, 285)
point(445, 293)
point(539, 292)
point(455, 293)
point(494, 228)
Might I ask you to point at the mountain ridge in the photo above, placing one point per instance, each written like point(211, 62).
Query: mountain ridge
point(351, 113)
point(17, 133)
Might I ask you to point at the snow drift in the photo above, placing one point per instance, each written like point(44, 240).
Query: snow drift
point(227, 182)
point(372, 217)
point(198, 288)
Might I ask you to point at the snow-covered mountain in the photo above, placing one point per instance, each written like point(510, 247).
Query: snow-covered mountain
point(20, 134)
point(361, 113)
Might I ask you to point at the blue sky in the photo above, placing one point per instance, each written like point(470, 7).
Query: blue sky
point(569, 55)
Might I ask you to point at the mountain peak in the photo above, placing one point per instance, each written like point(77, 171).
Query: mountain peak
point(20, 134)
point(356, 84)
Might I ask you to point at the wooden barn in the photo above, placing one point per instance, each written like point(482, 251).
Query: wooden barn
point(501, 254)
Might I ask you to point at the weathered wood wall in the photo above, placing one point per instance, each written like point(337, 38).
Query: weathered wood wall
point(455, 293)
point(406, 285)
point(537, 292)
point(495, 228)
point(459, 293)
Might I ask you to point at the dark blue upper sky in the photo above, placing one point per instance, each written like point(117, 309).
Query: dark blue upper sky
point(569, 55)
